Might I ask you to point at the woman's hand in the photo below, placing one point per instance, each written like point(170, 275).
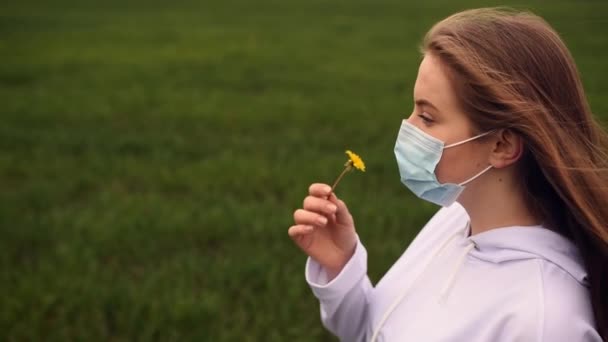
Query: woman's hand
point(324, 229)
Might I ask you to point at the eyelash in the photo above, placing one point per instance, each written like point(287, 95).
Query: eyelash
point(425, 119)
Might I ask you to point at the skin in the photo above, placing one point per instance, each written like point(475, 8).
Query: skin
point(324, 228)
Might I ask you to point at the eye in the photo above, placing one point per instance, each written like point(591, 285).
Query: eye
point(425, 118)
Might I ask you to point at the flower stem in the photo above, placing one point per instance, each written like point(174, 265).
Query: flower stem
point(346, 169)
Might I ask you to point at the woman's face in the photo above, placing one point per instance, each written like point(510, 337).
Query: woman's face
point(438, 113)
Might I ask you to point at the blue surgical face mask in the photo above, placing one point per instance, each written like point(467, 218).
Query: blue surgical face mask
point(418, 154)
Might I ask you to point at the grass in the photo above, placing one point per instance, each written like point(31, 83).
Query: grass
point(152, 154)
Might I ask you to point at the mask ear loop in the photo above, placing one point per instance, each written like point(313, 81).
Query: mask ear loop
point(469, 139)
point(466, 141)
point(477, 175)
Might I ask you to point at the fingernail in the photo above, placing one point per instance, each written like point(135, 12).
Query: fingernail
point(331, 207)
point(322, 220)
point(327, 189)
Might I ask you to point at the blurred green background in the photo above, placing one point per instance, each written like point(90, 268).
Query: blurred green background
point(152, 154)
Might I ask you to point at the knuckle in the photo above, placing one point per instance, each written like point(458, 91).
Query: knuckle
point(311, 188)
point(309, 202)
point(306, 201)
point(296, 214)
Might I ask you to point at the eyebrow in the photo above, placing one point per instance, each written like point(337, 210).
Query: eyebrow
point(423, 102)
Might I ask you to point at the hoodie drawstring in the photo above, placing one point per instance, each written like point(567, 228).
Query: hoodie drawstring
point(448, 285)
point(443, 292)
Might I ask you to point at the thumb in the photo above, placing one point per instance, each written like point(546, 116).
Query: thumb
point(343, 216)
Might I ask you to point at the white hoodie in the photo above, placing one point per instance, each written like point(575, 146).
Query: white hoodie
point(507, 284)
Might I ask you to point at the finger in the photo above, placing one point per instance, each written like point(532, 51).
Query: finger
point(319, 205)
point(306, 217)
point(299, 230)
point(343, 215)
point(319, 190)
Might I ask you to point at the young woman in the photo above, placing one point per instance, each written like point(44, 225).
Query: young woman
point(502, 137)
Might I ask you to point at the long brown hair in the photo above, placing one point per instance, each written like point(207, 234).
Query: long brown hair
point(512, 71)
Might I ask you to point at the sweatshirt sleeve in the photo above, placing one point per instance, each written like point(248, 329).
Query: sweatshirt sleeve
point(566, 317)
point(344, 299)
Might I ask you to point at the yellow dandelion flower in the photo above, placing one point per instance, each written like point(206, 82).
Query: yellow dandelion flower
point(355, 160)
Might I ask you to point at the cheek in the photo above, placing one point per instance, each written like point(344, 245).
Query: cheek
point(457, 165)
point(447, 170)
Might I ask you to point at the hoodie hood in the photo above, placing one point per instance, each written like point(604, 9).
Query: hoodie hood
point(528, 242)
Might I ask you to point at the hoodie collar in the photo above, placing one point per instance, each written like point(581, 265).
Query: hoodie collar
point(529, 242)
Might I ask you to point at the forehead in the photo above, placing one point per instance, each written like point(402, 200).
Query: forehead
point(433, 85)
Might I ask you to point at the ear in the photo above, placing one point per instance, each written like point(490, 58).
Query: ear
point(508, 148)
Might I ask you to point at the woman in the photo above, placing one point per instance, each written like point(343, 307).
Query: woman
point(502, 137)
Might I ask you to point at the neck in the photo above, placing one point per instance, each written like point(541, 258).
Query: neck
point(496, 201)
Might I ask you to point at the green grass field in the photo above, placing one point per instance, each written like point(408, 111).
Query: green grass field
point(152, 154)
